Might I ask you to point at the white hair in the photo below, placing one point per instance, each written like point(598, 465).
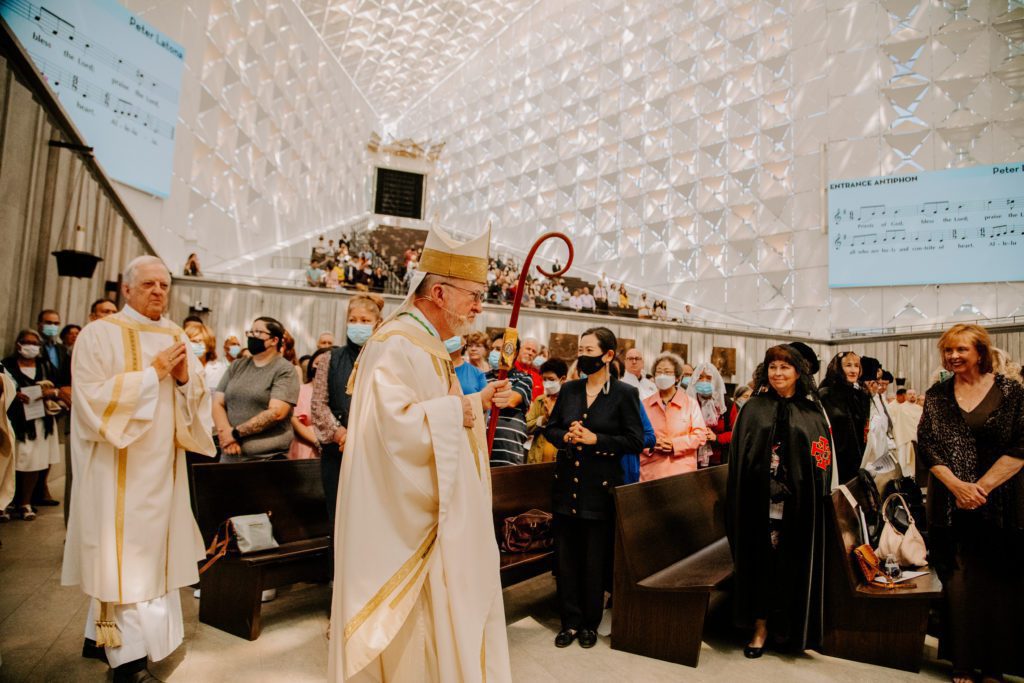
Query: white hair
point(131, 270)
point(715, 407)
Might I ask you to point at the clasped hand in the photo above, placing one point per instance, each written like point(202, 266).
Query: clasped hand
point(579, 434)
point(172, 361)
point(664, 445)
point(969, 496)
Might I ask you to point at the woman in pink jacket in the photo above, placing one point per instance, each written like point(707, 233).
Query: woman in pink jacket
point(677, 421)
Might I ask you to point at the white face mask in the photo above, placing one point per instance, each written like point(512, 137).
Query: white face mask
point(552, 387)
point(664, 382)
point(29, 350)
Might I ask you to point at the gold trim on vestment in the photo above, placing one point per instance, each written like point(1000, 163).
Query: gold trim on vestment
point(122, 476)
point(389, 587)
point(440, 354)
point(133, 363)
point(412, 580)
point(127, 323)
point(115, 398)
point(472, 268)
point(483, 656)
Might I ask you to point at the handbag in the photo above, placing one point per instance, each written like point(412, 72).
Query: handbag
point(908, 548)
point(914, 504)
point(868, 562)
point(243, 534)
point(528, 531)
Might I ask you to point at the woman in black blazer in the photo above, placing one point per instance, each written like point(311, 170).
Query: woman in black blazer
point(595, 421)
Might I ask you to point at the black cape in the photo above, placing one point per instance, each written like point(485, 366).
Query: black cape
point(797, 586)
point(848, 410)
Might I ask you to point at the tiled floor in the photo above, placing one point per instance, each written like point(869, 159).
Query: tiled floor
point(41, 635)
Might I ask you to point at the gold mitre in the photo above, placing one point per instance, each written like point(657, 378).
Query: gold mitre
point(444, 255)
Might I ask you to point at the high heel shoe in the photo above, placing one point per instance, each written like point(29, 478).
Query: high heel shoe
point(751, 652)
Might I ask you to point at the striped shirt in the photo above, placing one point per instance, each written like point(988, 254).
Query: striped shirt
point(510, 436)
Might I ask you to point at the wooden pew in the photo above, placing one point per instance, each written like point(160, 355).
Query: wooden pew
point(292, 492)
point(866, 623)
point(672, 562)
point(514, 490)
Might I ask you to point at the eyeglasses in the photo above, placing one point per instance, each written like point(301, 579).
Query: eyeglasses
point(257, 334)
point(477, 296)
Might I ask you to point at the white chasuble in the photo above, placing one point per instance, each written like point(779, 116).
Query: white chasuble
point(131, 533)
point(416, 585)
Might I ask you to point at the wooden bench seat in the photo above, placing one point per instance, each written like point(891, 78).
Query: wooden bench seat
point(514, 490)
point(707, 569)
point(672, 563)
point(865, 623)
point(292, 492)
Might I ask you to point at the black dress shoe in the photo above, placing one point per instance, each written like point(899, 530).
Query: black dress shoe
point(588, 638)
point(751, 652)
point(134, 672)
point(90, 650)
point(46, 502)
point(565, 637)
point(138, 677)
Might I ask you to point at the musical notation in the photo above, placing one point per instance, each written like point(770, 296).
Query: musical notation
point(939, 208)
point(120, 107)
point(951, 226)
point(117, 76)
point(61, 29)
point(937, 236)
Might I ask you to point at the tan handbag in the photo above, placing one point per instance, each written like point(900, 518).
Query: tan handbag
point(908, 548)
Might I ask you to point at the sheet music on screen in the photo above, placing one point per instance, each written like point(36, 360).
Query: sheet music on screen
point(937, 227)
point(115, 74)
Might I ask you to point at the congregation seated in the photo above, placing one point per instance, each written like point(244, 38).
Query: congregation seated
point(334, 266)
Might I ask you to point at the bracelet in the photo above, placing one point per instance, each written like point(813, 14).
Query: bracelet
point(235, 435)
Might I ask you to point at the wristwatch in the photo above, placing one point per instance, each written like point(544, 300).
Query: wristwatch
point(235, 435)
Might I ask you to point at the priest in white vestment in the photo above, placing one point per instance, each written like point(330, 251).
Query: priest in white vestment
point(417, 592)
point(905, 416)
point(140, 402)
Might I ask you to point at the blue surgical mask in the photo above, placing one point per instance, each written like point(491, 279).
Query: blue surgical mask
point(234, 350)
point(493, 358)
point(704, 388)
point(359, 333)
point(453, 344)
point(50, 330)
point(198, 348)
point(539, 361)
point(686, 381)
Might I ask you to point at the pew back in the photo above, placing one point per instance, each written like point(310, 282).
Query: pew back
point(518, 488)
point(290, 490)
point(514, 490)
point(688, 515)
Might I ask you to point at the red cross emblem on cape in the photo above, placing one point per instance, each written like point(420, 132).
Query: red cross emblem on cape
point(821, 452)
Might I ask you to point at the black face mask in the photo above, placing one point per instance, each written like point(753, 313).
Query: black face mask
point(256, 345)
point(589, 364)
